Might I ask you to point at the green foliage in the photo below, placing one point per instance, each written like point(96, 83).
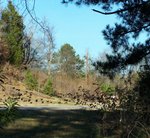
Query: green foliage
point(48, 88)
point(67, 60)
point(12, 29)
point(10, 104)
point(10, 113)
point(107, 88)
point(125, 37)
point(31, 81)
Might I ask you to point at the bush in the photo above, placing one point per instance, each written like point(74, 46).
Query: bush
point(10, 113)
point(48, 88)
point(11, 104)
point(107, 88)
point(142, 89)
point(31, 81)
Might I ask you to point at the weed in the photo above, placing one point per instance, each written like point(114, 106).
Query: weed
point(107, 88)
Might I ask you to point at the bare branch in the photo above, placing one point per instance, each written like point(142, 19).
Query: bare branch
point(135, 30)
point(28, 10)
point(33, 5)
point(109, 13)
point(121, 10)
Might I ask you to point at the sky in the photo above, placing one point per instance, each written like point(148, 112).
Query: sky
point(78, 26)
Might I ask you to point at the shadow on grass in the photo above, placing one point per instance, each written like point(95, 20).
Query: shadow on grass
point(48, 123)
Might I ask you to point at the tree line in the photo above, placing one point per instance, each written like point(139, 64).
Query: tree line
point(17, 46)
point(125, 38)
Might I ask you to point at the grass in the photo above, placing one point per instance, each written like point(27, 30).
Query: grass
point(30, 97)
point(52, 124)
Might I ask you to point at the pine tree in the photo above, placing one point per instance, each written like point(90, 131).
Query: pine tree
point(12, 29)
point(129, 47)
point(69, 62)
point(134, 18)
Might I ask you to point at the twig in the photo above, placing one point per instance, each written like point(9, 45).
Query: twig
point(135, 125)
point(132, 130)
point(26, 5)
point(144, 128)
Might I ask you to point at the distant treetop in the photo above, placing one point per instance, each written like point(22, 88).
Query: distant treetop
point(124, 38)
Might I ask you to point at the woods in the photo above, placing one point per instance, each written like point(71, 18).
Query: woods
point(114, 88)
point(124, 38)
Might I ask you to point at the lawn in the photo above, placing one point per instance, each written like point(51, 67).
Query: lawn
point(50, 123)
point(46, 123)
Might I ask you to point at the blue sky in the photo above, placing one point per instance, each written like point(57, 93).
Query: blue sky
point(78, 26)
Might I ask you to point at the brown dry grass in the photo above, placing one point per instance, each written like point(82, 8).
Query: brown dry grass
point(65, 84)
point(28, 98)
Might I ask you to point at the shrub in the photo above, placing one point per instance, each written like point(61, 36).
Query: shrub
point(107, 88)
point(48, 88)
point(31, 81)
point(10, 104)
point(10, 113)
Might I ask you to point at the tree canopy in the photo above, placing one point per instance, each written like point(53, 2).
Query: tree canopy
point(69, 62)
point(129, 38)
point(13, 32)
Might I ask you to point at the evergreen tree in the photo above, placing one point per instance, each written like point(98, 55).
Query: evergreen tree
point(134, 18)
point(129, 47)
point(48, 88)
point(12, 29)
point(67, 60)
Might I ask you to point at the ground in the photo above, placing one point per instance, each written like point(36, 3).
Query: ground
point(42, 116)
point(29, 98)
point(51, 123)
